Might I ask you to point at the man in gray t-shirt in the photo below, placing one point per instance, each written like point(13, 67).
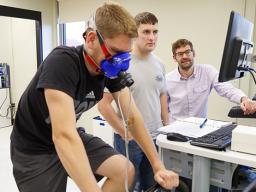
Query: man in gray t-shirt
point(149, 94)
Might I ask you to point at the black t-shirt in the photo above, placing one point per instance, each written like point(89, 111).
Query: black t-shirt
point(63, 69)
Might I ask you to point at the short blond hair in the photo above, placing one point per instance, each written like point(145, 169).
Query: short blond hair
point(112, 20)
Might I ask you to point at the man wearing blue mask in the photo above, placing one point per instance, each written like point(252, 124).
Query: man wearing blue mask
point(46, 147)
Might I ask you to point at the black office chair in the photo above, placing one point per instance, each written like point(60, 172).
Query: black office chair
point(181, 188)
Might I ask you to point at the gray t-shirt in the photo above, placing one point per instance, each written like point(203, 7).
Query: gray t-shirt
point(149, 82)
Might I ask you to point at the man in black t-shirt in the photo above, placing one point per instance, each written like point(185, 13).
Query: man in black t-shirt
point(45, 145)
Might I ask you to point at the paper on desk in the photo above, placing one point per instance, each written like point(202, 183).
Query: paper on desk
point(190, 126)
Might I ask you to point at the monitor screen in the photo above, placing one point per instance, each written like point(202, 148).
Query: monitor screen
point(238, 47)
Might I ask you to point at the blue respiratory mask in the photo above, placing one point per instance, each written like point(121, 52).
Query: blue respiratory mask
point(112, 67)
point(116, 67)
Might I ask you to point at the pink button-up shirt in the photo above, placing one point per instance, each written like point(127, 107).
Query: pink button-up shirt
point(189, 97)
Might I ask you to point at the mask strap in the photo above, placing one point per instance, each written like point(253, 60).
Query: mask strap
point(91, 62)
point(108, 56)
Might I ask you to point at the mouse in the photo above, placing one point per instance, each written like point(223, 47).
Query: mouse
point(177, 137)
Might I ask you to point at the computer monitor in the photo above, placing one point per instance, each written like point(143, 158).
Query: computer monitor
point(237, 49)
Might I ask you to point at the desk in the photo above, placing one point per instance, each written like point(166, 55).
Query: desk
point(201, 163)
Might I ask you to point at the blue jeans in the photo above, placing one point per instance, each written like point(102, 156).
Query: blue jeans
point(144, 175)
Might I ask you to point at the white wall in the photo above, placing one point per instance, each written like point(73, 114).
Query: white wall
point(204, 22)
point(49, 23)
point(18, 45)
point(24, 55)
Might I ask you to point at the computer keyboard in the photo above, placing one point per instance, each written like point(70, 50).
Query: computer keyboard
point(218, 139)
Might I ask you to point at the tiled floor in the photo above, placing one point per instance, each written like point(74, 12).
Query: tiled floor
point(7, 183)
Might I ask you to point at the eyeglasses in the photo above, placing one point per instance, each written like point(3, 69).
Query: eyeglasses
point(187, 53)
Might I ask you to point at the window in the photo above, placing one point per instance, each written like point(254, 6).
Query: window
point(72, 33)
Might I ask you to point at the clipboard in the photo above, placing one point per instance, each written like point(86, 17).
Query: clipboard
point(190, 127)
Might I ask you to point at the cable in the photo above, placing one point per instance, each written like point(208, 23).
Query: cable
point(250, 187)
point(4, 99)
point(125, 124)
point(5, 126)
point(252, 77)
point(250, 70)
point(7, 111)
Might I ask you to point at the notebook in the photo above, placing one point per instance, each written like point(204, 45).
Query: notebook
point(190, 127)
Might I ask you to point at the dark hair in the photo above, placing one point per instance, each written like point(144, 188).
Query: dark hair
point(145, 18)
point(181, 43)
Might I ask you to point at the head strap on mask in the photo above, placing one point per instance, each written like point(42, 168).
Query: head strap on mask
point(91, 62)
point(90, 23)
point(108, 56)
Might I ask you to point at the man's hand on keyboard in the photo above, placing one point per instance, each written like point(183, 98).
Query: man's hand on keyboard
point(248, 105)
